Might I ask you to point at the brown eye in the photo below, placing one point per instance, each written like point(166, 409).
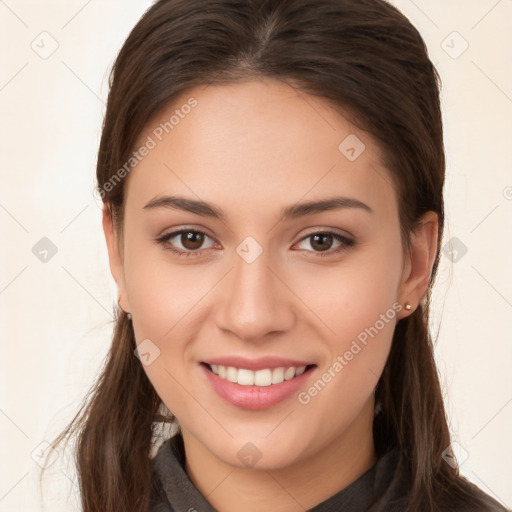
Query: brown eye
point(321, 241)
point(192, 240)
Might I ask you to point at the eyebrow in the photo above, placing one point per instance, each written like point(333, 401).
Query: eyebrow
point(295, 211)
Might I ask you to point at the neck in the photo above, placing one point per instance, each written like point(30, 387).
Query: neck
point(294, 488)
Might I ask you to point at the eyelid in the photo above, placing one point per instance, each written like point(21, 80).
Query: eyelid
point(332, 231)
point(178, 229)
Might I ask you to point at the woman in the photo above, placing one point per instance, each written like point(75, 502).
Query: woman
point(272, 176)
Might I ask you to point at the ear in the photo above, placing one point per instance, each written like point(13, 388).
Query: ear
point(419, 262)
point(115, 258)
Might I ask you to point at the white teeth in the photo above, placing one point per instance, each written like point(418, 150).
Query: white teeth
point(245, 377)
point(289, 373)
point(265, 377)
point(232, 374)
point(300, 370)
point(277, 375)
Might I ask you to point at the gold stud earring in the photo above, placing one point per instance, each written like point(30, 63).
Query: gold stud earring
point(408, 306)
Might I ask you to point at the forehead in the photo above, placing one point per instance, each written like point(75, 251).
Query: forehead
point(256, 144)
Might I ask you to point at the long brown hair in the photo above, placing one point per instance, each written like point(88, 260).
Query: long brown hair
point(363, 57)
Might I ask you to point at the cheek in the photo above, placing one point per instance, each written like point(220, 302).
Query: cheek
point(162, 295)
point(352, 296)
point(359, 307)
point(164, 301)
point(356, 358)
point(167, 302)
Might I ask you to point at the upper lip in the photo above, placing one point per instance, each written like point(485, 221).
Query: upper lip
point(255, 364)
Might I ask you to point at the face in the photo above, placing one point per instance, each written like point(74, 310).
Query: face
point(293, 269)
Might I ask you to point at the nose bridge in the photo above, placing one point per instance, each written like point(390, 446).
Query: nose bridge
point(254, 302)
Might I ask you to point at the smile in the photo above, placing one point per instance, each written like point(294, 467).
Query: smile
point(256, 383)
point(264, 377)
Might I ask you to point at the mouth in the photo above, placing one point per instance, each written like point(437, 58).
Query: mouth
point(262, 378)
point(267, 383)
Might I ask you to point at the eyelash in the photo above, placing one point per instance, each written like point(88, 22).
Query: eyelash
point(346, 243)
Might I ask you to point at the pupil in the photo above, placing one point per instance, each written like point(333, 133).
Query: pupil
point(321, 238)
point(192, 240)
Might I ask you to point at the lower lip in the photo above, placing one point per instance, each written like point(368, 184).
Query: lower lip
point(254, 397)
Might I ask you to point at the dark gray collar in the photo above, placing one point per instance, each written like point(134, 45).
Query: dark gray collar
point(378, 490)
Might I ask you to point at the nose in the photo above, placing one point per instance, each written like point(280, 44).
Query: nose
point(254, 302)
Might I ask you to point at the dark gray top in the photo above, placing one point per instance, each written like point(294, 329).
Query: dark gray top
point(383, 488)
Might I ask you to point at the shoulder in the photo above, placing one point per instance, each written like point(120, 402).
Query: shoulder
point(474, 499)
point(454, 494)
point(487, 504)
point(483, 502)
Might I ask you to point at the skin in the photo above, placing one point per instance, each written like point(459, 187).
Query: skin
point(252, 149)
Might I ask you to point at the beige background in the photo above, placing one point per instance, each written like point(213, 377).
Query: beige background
point(56, 315)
